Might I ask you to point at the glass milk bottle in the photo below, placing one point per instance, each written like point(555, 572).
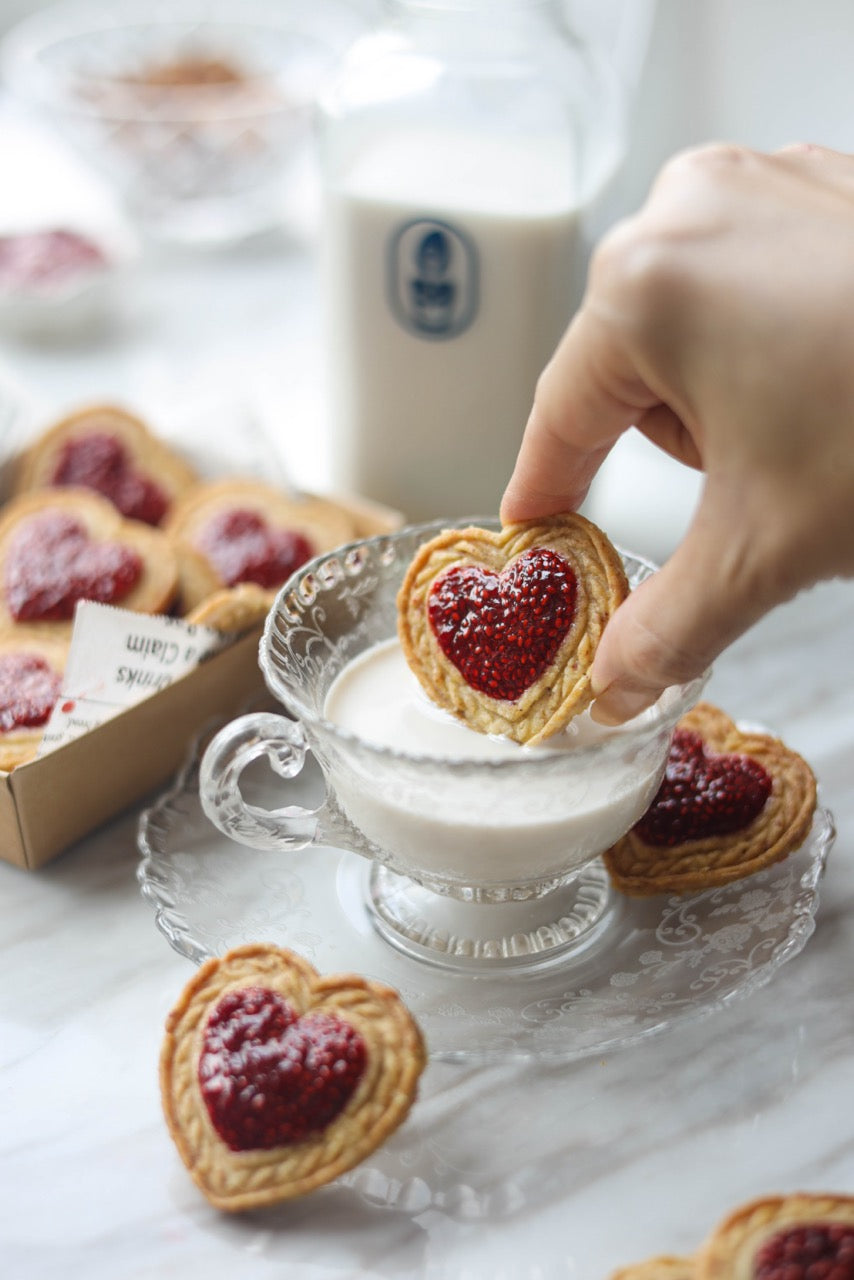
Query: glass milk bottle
point(464, 148)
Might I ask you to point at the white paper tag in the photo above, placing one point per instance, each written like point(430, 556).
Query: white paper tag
point(117, 658)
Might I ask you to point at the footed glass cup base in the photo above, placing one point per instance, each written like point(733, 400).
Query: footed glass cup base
point(489, 937)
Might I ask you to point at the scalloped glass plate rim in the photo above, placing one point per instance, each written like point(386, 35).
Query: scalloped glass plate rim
point(160, 821)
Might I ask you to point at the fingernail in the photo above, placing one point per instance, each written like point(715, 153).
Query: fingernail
point(616, 706)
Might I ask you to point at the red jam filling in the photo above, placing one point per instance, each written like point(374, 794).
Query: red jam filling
point(99, 461)
point(29, 687)
point(703, 794)
point(51, 563)
point(818, 1251)
point(501, 631)
point(270, 1078)
point(40, 259)
point(243, 548)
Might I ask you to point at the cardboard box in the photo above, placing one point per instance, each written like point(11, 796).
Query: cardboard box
point(48, 804)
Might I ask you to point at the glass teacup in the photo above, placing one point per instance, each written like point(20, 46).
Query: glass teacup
point(483, 862)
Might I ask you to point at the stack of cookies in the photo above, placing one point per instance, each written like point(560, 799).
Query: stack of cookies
point(103, 509)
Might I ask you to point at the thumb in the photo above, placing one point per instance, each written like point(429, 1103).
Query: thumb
point(673, 626)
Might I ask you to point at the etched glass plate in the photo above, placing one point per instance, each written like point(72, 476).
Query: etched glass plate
point(653, 963)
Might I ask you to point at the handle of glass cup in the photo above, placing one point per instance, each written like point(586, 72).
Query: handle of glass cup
point(231, 751)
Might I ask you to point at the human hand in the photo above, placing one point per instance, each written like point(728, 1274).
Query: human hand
point(719, 321)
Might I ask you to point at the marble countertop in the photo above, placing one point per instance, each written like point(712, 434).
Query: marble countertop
point(505, 1172)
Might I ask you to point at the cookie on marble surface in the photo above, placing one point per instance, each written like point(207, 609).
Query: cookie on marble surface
point(105, 448)
point(59, 546)
point(276, 1079)
point(664, 1267)
point(31, 668)
point(731, 802)
point(247, 531)
point(778, 1237)
point(501, 627)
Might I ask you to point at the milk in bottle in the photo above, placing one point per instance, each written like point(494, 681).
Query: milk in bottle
point(457, 173)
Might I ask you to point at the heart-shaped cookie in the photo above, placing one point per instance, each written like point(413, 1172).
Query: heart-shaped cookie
point(785, 1237)
point(31, 670)
point(230, 532)
point(58, 546)
point(730, 803)
point(501, 627)
point(114, 453)
point(790, 1237)
point(275, 1080)
point(101, 462)
point(243, 547)
point(52, 562)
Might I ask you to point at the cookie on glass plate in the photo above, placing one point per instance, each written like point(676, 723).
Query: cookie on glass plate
point(665, 1267)
point(105, 448)
point(276, 1080)
point(731, 802)
point(500, 628)
point(31, 668)
point(59, 546)
point(778, 1237)
point(244, 530)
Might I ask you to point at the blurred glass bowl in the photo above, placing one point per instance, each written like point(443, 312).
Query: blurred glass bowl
point(195, 110)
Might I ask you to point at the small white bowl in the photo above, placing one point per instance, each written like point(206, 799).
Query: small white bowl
point(59, 279)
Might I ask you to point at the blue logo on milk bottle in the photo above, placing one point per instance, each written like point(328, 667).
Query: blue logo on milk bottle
point(432, 278)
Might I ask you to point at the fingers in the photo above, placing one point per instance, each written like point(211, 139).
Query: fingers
point(676, 623)
point(586, 397)
point(665, 429)
point(813, 158)
point(551, 475)
point(641, 653)
point(663, 284)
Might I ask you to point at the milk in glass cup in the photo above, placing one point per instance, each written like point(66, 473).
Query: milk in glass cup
point(484, 852)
